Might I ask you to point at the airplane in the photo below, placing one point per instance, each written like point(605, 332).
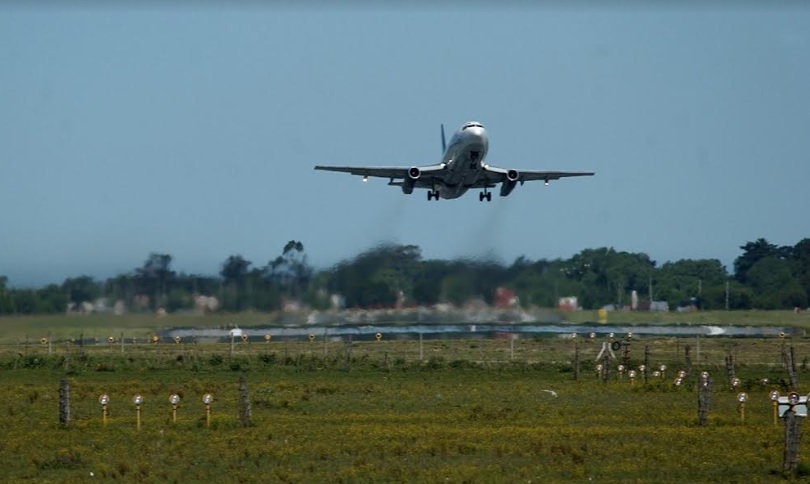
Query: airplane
point(463, 167)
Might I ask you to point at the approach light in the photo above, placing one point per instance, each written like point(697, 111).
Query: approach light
point(631, 374)
point(207, 399)
point(774, 396)
point(104, 400)
point(137, 399)
point(742, 397)
point(174, 399)
point(629, 335)
point(657, 374)
point(663, 368)
point(678, 381)
point(592, 335)
point(621, 368)
point(704, 375)
point(793, 398)
point(642, 368)
point(735, 382)
point(681, 374)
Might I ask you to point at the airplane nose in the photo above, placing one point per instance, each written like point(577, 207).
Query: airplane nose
point(478, 133)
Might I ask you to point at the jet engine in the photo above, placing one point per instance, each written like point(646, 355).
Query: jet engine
point(510, 183)
point(410, 182)
point(407, 185)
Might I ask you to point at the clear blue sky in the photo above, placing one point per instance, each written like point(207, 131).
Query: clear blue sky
point(194, 131)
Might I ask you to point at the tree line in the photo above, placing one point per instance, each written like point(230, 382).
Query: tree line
point(764, 276)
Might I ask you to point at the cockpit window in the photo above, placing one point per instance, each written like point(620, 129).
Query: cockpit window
point(471, 125)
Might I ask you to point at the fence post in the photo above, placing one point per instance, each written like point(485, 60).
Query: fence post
point(791, 441)
point(64, 402)
point(646, 362)
point(244, 403)
point(790, 366)
point(730, 374)
point(347, 350)
point(704, 397)
point(576, 362)
point(606, 367)
point(688, 359)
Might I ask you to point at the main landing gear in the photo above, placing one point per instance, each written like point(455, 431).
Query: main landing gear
point(433, 195)
point(485, 195)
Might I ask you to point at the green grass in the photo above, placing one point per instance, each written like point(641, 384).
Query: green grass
point(467, 412)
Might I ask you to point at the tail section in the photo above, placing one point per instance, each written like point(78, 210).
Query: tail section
point(444, 143)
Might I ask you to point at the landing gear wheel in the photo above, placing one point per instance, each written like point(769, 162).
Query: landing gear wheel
point(485, 195)
point(433, 194)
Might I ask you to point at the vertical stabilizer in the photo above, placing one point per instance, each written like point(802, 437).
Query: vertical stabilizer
point(444, 143)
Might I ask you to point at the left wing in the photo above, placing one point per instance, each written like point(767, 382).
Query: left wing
point(493, 174)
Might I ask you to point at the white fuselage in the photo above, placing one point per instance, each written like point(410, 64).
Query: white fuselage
point(464, 160)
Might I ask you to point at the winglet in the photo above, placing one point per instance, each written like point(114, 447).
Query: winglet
point(444, 144)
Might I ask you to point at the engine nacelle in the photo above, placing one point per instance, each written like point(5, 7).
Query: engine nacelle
point(407, 185)
point(507, 186)
point(414, 172)
point(510, 183)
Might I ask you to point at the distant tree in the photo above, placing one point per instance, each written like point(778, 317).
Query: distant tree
point(753, 252)
point(542, 283)
point(290, 271)
point(154, 277)
point(457, 288)
point(427, 282)
point(80, 289)
point(801, 263)
point(373, 277)
point(685, 279)
point(609, 276)
point(52, 299)
point(6, 299)
point(234, 274)
point(774, 286)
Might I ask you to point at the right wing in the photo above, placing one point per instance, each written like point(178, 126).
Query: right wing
point(392, 172)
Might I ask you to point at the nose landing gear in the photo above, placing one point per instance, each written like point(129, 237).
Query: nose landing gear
point(433, 194)
point(485, 195)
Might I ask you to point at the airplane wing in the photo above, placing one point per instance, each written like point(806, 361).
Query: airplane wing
point(392, 172)
point(493, 174)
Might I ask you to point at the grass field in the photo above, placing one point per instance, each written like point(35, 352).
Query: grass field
point(467, 411)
